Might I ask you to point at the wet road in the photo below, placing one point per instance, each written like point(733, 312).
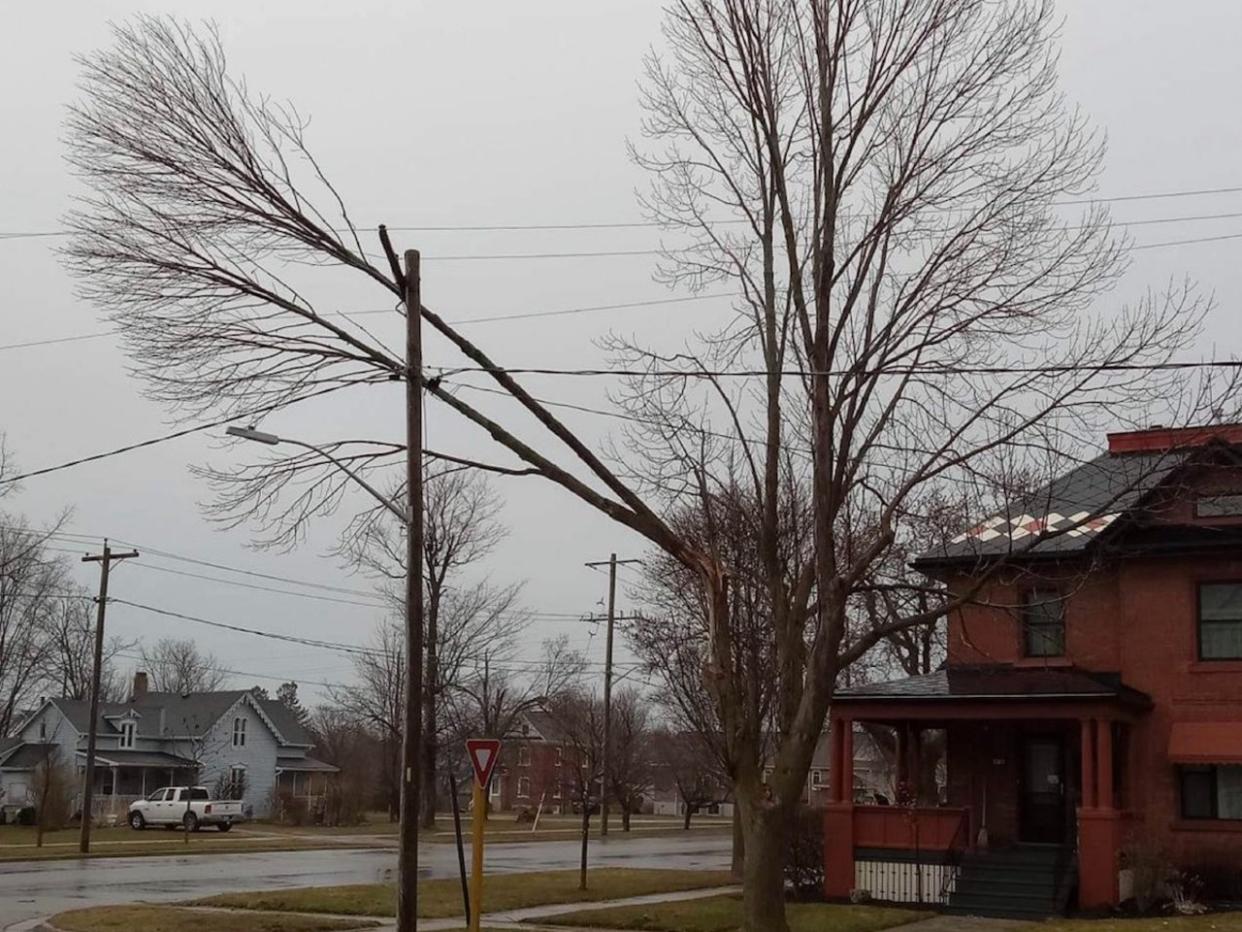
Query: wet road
point(40, 888)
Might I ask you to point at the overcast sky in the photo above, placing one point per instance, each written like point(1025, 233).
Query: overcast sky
point(483, 113)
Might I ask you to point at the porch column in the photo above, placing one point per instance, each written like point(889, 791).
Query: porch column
point(1088, 764)
point(839, 814)
point(903, 755)
point(1099, 828)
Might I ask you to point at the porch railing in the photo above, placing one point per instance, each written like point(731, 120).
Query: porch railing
point(909, 854)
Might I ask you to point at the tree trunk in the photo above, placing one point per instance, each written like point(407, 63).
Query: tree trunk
point(625, 819)
point(586, 834)
point(763, 872)
point(685, 822)
point(738, 862)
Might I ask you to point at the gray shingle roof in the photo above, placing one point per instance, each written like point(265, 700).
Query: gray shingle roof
point(28, 756)
point(305, 765)
point(191, 714)
point(127, 758)
point(996, 681)
point(1082, 505)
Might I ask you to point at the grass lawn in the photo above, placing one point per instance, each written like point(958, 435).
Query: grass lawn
point(17, 843)
point(1219, 922)
point(724, 914)
point(172, 919)
point(439, 899)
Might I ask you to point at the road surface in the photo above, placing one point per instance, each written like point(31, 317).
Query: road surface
point(40, 888)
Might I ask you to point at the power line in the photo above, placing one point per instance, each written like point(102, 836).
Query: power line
point(1187, 242)
point(498, 318)
point(833, 373)
point(185, 432)
point(652, 224)
point(255, 586)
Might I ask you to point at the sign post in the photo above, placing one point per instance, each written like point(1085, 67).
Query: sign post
point(484, 752)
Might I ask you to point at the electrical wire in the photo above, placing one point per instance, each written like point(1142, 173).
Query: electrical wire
point(641, 224)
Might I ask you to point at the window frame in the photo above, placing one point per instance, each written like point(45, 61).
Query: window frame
point(1029, 598)
point(129, 731)
point(523, 788)
point(1214, 788)
point(239, 731)
point(523, 755)
point(1199, 587)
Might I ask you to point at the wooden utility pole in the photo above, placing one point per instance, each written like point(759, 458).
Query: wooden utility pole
point(88, 788)
point(411, 748)
point(612, 615)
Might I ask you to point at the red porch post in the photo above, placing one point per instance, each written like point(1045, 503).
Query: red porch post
point(839, 814)
point(1099, 827)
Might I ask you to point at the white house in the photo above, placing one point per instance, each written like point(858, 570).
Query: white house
point(227, 739)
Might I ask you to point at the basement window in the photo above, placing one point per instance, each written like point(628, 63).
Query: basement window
point(1220, 621)
point(1211, 792)
point(1043, 623)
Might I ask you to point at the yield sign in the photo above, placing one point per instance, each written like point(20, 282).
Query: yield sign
point(484, 752)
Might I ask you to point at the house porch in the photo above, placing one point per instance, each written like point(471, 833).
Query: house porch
point(122, 777)
point(1032, 762)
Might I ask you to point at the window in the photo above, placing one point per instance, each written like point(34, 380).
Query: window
point(556, 789)
point(523, 756)
point(1211, 792)
point(1043, 623)
point(237, 782)
point(493, 788)
point(127, 734)
point(43, 731)
point(559, 757)
point(1218, 506)
point(1220, 621)
point(817, 778)
point(158, 795)
point(239, 732)
point(524, 787)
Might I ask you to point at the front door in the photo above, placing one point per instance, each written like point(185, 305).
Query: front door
point(1043, 790)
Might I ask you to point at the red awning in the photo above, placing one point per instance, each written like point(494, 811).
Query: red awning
point(1206, 743)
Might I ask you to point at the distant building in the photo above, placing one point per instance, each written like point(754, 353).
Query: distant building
point(227, 740)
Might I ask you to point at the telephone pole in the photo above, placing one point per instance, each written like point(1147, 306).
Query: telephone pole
point(88, 790)
point(411, 748)
point(611, 563)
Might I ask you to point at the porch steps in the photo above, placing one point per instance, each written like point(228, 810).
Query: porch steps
point(1025, 882)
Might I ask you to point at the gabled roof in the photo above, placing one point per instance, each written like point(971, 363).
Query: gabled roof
point(545, 726)
point(8, 747)
point(1074, 512)
point(27, 756)
point(305, 765)
point(192, 714)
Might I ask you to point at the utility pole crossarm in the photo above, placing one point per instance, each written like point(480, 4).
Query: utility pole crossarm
point(105, 561)
point(612, 562)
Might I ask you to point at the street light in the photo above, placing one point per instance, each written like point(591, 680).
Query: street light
point(271, 440)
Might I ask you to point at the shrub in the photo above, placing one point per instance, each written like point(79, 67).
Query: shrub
point(290, 809)
point(1151, 870)
point(804, 865)
point(26, 816)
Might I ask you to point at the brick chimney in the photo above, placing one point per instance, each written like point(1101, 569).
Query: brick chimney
point(140, 686)
point(1161, 439)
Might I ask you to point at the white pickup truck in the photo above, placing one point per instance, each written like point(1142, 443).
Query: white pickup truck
point(189, 806)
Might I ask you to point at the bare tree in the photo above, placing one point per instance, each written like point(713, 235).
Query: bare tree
point(376, 701)
point(882, 182)
point(460, 527)
point(580, 717)
point(683, 761)
point(53, 787)
point(69, 658)
point(629, 776)
point(178, 666)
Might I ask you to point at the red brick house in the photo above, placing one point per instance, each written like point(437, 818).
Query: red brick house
point(1092, 696)
point(534, 767)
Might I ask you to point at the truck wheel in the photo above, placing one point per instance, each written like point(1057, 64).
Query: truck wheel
point(224, 826)
point(190, 822)
point(137, 822)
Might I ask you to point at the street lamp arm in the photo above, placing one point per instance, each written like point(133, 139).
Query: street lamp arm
point(353, 474)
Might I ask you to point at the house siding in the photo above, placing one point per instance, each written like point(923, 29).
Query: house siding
point(258, 756)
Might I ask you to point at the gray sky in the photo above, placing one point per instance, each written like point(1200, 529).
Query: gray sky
point(485, 113)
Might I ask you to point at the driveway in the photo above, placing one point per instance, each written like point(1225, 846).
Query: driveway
point(40, 888)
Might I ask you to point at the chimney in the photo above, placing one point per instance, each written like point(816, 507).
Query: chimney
point(140, 687)
point(1160, 439)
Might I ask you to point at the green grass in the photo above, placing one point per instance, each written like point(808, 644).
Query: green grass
point(173, 919)
point(724, 914)
point(440, 899)
point(1216, 922)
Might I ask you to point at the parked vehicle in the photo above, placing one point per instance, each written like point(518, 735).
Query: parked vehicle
point(188, 806)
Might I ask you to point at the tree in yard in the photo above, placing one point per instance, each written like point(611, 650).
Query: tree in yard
point(883, 184)
point(629, 775)
point(460, 528)
point(179, 666)
point(683, 761)
point(287, 695)
point(69, 659)
point(580, 717)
